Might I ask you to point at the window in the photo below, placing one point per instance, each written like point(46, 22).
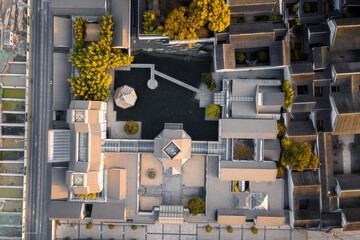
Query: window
point(302, 90)
point(79, 116)
point(335, 89)
point(319, 91)
point(320, 125)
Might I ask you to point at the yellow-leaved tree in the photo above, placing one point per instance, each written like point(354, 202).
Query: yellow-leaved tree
point(93, 83)
point(181, 26)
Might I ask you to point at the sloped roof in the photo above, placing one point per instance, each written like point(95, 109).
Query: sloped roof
point(345, 33)
point(125, 97)
point(62, 210)
point(117, 183)
point(61, 72)
point(230, 219)
point(62, 32)
point(59, 190)
point(248, 128)
point(120, 10)
point(247, 171)
point(109, 212)
point(59, 145)
point(78, 7)
point(269, 221)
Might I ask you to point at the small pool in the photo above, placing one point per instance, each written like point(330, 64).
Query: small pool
point(13, 93)
point(11, 192)
point(13, 106)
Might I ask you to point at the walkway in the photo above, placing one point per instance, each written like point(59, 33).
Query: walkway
point(171, 79)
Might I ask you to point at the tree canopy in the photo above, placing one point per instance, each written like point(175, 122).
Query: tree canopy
point(289, 94)
point(299, 156)
point(213, 111)
point(196, 206)
point(93, 83)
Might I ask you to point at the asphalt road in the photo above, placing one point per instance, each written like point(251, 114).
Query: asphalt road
point(38, 171)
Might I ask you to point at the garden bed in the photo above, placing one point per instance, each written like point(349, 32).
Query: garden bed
point(243, 149)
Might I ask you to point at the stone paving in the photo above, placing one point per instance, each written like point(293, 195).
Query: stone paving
point(195, 232)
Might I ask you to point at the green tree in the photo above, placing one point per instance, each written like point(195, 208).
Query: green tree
point(196, 206)
point(213, 111)
point(208, 228)
point(230, 229)
point(207, 78)
point(111, 226)
point(240, 57)
point(289, 94)
point(134, 227)
point(131, 127)
point(299, 156)
point(254, 230)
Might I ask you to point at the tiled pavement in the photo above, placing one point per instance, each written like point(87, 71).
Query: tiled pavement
point(195, 232)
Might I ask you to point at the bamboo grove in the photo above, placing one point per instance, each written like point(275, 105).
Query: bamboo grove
point(93, 82)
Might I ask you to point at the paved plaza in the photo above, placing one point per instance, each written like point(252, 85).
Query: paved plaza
point(195, 232)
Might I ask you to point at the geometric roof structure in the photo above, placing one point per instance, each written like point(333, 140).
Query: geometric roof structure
point(172, 147)
point(259, 201)
point(125, 97)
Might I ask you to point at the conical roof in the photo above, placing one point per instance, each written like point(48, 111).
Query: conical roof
point(125, 97)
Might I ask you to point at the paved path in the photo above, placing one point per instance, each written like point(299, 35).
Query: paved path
point(171, 79)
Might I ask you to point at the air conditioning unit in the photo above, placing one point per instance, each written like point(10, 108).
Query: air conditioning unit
point(8, 38)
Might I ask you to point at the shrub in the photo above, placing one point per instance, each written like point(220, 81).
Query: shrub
point(262, 56)
point(196, 206)
point(297, 20)
point(254, 230)
point(207, 78)
point(298, 155)
point(133, 227)
point(295, 8)
point(281, 129)
point(208, 228)
point(79, 32)
point(212, 86)
point(236, 186)
point(229, 229)
point(307, 8)
point(151, 174)
point(240, 57)
point(273, 17)
point(242, 151)
point(89, 226)
point(280, 171)
point(111, 226)
point(131, 127)
point(87, 196)
point(149, 24)
point(289, 94)
point(213, 111)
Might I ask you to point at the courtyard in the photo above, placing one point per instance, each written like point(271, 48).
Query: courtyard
point(169, 102)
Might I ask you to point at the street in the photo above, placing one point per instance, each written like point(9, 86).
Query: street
point(38, 173)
